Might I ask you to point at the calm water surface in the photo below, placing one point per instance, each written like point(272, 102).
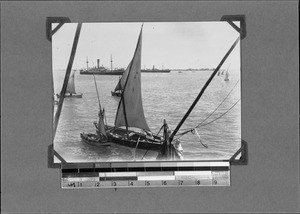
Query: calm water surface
point(165, 96)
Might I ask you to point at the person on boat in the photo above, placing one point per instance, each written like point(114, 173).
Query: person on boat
point(149, 135)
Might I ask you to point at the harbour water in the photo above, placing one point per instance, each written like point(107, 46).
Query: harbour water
point(165, 96)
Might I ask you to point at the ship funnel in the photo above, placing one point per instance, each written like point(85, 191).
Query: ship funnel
point(98, 63)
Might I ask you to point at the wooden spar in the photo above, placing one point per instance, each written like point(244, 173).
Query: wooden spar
point(166, 148)
point(66, 80)
point(111, 61)
point(203, 89)
point(124, 109)
point(97, 93)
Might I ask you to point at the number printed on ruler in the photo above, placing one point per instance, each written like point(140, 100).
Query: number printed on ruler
point(219, 175)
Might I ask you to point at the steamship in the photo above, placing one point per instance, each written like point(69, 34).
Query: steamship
point(101, 70)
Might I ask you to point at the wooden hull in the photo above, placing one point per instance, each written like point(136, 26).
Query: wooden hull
point(118, 136)
point(116, 94)
point(93, 140)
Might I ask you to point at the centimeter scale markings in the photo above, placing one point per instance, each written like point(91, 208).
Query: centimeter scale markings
point(163, 174)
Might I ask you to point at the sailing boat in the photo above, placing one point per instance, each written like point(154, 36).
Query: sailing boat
point(227, 74)
point(130, 111)
point(100, 138)
point(70, 91)
point(121, 83)
point(118, 89)
point(130, 114)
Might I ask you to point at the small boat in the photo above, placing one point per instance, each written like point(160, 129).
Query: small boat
point(70, 91)
point(120, 85)
point(94, 140)
point(116, 93)
point(100, 138)
point(227, 74)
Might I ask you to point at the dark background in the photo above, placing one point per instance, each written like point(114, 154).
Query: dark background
point(270, 72)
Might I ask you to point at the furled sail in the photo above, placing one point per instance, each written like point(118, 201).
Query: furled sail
point(101, 126)
point(130, 110)
point(71, 85)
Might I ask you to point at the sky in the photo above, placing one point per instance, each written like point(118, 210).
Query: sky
point(171, 45)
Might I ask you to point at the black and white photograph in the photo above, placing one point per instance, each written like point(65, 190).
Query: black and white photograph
point(149, 106)
point(131, 93)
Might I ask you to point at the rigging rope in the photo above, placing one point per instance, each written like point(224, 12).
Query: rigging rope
point(218, 105)
point(159, 130)
point(221, 114)
point(188, 130)
point(193, 130)
point(200, 139)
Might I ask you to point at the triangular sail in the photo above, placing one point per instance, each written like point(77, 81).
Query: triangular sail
point(71, 85)
point(130, 110)
point(121, 83)
point(118, 86)
point(227, 74)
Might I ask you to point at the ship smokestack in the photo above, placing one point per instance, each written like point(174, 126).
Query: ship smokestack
point(98, 63)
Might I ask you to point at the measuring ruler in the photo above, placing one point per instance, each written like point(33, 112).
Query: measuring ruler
point(152, 174)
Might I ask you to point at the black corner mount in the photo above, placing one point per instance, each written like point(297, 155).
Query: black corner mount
point(50, 20)
point(241, 18)
point(243, 160)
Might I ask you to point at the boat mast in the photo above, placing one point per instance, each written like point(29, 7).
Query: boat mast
point(87, 63)
point(122, 98)
point(130, 68)
point(111, 63)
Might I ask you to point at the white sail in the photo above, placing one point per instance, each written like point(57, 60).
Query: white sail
point(71, 85)
point(227, 74)
point(130, 110)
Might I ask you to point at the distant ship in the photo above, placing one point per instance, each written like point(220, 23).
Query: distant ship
point(100, 70)
point(155, 70)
